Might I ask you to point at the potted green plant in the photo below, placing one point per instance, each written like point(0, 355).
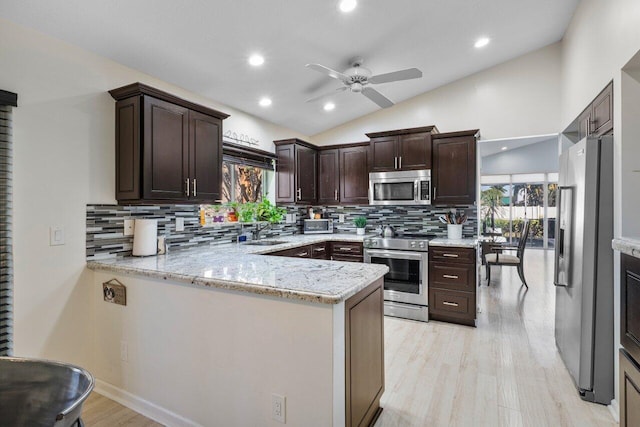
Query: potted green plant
point(360, 223)
point(247, 212)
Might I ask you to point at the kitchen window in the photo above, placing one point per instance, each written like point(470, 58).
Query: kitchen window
point(248, 175)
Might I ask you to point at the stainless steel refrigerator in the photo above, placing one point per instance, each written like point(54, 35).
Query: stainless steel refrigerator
point(584, 266)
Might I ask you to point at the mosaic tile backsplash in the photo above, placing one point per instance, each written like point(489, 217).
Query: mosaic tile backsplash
point(106, 240)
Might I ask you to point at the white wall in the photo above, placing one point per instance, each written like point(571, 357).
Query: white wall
point(214, 356)
point(602, 37)
point(533, 158)
point(64, 159)
point(520, 97)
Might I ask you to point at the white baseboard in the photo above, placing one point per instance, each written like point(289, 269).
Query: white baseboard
point(142, 406)
point(614, 408)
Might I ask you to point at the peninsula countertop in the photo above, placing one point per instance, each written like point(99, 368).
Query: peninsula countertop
point(245, 268)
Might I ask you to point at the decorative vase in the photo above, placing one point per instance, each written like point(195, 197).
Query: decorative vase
point(360, 231)
point(454, 231)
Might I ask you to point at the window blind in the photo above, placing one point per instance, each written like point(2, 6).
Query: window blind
point(238, 154)
point(7, 100)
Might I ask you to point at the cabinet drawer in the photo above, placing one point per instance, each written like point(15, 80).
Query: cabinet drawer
point(346, 248)
point(347, 258)
point(301, 252)
point(629, 391)
point(319, 251)
point(452, 276)
point(452, 255)
point(455, 304)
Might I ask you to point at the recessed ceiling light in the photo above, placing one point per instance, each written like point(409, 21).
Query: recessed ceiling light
point(329, 106)
point(348, 5)
point(256, 60)
point(265, 102)
point(504, 148)
point(482, 42)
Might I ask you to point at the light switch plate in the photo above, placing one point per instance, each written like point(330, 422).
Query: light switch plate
point(340, 217)
point(56, 235)
point(179, 224)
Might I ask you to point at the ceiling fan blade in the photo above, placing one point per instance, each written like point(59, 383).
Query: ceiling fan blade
point(408, 74)
point(377, 97)
point(324, 95)
point(327, 71)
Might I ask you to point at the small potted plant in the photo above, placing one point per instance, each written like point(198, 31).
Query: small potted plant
point(232, 211)
point(360, 223)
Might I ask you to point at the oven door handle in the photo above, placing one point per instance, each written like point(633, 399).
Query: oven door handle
point(395, 254)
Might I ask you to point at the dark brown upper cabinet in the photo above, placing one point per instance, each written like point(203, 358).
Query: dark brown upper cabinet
point(167, 149)
point(597, 118)
point(343, 174)
point(454, 168)
point(404, 149)
point(329, 176)
point(296, 172)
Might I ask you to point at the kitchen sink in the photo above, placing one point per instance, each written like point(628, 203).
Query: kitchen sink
point(266, 242)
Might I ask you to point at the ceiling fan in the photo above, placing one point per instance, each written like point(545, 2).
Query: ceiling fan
point(358, 79)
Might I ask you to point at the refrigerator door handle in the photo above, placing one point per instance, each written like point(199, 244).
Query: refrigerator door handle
point(563, 231)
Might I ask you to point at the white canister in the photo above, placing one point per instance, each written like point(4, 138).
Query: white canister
point(454, 231)
point(145, 237)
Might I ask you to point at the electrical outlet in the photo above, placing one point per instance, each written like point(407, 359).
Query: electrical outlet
point(179, 224)
point(340, 217)
point(278, 408)
point(128, 227)
point(124, 351)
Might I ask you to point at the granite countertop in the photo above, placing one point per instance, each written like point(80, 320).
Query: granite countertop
point(627, 246)
point(241, 267)
point(459, 243)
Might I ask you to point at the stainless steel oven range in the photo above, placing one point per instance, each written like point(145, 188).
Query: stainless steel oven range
point(406, 283)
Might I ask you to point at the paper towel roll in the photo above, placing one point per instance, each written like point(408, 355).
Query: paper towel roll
point(145, 237)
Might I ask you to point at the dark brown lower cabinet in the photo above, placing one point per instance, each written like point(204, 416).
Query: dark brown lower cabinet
point(346, 251)
point(336, 251)
point(452, 285)
point(629, 391)
point(364, 364)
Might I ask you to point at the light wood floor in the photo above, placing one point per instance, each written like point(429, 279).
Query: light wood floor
point(505, 372)
point(98, 411)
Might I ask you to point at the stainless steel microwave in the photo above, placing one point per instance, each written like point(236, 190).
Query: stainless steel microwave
point(318, 226)
point(400, 188)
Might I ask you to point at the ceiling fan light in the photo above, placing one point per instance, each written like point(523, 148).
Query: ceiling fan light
point(356, 87)
point(347, 6)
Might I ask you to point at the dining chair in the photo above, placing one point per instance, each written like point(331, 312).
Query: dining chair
point(508, 260)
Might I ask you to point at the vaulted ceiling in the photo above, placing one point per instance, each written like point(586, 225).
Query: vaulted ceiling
point(204, 45)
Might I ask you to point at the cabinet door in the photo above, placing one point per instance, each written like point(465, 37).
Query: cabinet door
point(584, 124)
point(205, 155)
point(454, 171)
point(630, 304)
point(166, 150)
point(306, 174)
point(354, 175)
point(383, 154)
point(602, 112)
point(629, 391)
point(414, 151)
point(285, 173)
point(328, 177)
point(128, 149)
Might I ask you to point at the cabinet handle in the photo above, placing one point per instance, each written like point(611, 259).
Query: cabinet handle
point(345, 249)
point(592, 126)
point(335, 194)
point(195, 193)
point(449, 276)
point(319, 249)
point(452, 304)
point(400, 167)
point(434, 192)
point(301, 254)
point(186, 191)
point(299, 193)
point(450, 255)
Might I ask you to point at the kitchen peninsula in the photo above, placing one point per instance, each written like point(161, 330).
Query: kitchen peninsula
point(238, 328)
